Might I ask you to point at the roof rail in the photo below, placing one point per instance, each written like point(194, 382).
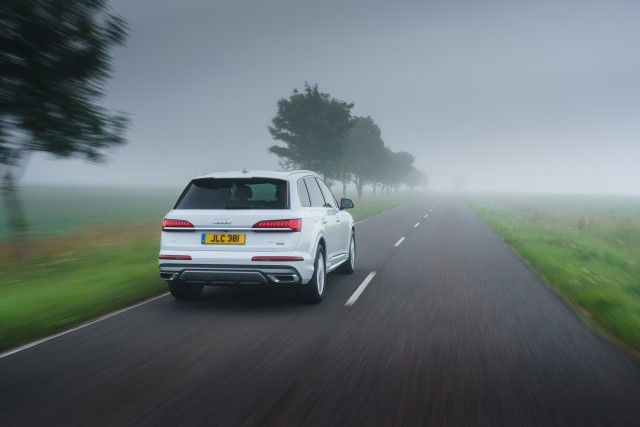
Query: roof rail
point(301, 171)
point(245, 171)
point(206, 173)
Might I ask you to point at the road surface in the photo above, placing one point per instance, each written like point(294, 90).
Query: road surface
point(451, 329)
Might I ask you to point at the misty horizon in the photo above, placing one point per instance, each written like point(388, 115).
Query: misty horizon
point(499, 96)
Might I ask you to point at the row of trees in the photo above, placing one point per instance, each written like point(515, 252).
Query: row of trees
point(320, 134)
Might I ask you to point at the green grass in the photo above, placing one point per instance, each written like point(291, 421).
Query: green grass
point(585, 247)
point(76, 281)
point(96, 268)
point(371, 206)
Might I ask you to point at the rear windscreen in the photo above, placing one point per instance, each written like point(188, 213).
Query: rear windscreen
point(234, 193)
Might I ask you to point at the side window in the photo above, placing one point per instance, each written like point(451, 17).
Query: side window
point(315, 194)
point(328, 196)
point(305, 201)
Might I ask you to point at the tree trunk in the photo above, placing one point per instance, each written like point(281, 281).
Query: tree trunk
point(15, 214)
point(344, 185)
point(359, 184)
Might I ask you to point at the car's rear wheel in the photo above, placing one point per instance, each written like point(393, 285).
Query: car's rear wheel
point(185, 290)
point(349, 266)
point(313, 291)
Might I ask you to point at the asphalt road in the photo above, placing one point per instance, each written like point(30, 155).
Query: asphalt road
point(453, 329)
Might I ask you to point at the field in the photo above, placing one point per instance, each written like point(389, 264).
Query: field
point(54, 211)
point(58, 210)
point(93, 250)
point(585, 247)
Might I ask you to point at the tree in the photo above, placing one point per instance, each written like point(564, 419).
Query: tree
point(401, 164)
point(395, 168)
point(416, 178)
point(55, 59)
point(314, 128)
point(365, 151)
point(382, 170)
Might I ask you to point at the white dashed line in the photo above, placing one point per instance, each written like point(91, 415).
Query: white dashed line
point(360, 289)
point(426, 215)
point(399, 242)
point(417, 225)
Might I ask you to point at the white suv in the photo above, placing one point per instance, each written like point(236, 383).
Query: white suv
point(258, 227)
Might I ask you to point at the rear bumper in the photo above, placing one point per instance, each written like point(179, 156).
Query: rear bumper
point(229, 275)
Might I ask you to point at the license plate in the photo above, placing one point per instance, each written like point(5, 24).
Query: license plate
point(223, 239)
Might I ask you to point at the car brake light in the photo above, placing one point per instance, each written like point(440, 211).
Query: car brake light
point(176, 257)
point(279, 225)
point(176, 224)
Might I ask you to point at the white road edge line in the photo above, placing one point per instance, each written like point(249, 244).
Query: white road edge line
point(399, 242)
point(360, 289)
point(84, 325)
point(417, 224)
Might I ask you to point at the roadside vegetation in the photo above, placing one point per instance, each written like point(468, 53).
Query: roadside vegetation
point(86, 261)
point(584, 247)
point(319, 133)
point(56, 62)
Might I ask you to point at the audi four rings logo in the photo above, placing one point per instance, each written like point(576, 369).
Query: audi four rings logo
point(222, 220)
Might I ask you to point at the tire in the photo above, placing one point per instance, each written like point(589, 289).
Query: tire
point(349, 266)
point(185, 291)
point(313, 291)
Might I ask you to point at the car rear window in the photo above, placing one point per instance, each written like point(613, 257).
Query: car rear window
point(234, 193)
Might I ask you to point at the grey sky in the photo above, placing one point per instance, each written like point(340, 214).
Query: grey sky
point(508, 95)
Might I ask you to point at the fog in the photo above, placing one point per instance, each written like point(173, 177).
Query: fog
point(501, 95)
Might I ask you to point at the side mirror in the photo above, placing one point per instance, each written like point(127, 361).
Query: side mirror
point(346, 204)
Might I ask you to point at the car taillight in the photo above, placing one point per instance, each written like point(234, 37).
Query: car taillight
point(294, 224)
point(176, 257)
point(176, 225)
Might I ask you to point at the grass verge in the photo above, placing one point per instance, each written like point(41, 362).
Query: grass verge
point(77, 277)
point(585, 248)
point(372, 206)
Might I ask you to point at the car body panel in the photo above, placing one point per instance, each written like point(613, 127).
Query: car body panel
point(235, 264)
